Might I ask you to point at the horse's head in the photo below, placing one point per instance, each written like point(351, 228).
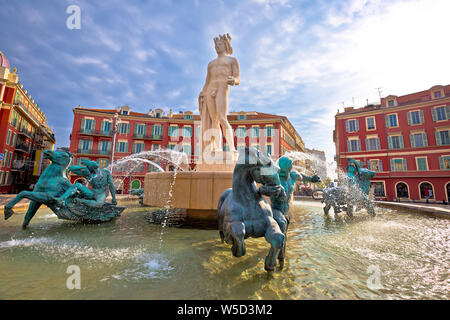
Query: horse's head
point(61, 158)
point(260, 167)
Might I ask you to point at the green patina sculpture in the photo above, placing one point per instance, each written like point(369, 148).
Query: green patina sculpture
point(280, 207)
point(355, 191)
point(242, 210)
point(67, 201)
point(139, 193)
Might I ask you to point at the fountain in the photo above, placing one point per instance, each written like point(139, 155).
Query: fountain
point(197, 192)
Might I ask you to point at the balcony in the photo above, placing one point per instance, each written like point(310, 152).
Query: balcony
point(23, 148)
point(100, 133)
point(147, 136)
point(26, 133)
point(94, 152)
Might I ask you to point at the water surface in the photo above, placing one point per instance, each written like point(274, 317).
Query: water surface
point(132, 259)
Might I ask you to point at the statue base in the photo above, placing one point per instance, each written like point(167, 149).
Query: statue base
point(218, 161)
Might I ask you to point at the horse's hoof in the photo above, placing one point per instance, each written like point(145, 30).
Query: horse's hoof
point(281, 263)
point(24, 226)
point(8, 212)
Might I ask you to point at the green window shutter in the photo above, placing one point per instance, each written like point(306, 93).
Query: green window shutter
point(434, 114)
point(378, 144)
point(405, 167)
point(347, 126)
point(136, 129)
point(128, 128)
point(425, 140)
point(438, 138)
point(441, 163)
point(408, 115)
point(392, 165)
point(447, 112)
point(357, 124)
point(401, 142)
point(411, 138)
point(359, 145)
point(380, 165)
point(387, 121)
point(389, 142)
point(83, 123)
point(348, 146)
point(93, 125)
point(367, 144)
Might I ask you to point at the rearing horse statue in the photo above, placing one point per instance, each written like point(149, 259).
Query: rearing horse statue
point(242, 210)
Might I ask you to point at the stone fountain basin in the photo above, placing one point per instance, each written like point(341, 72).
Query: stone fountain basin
point(197, 192)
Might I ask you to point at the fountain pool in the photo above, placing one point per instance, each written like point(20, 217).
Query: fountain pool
point(131, 259)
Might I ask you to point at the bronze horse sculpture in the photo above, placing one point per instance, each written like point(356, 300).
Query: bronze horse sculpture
point(51, 186)
point(243, 211)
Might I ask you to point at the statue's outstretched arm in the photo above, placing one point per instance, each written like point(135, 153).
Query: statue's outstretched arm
point(80, 170)
point(112, 188)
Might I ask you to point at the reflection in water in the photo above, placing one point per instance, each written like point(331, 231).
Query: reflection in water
point(327, 258)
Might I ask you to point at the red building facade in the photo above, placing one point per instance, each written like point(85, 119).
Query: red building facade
point(24, 133)
point(92, 137)
point(406, 139)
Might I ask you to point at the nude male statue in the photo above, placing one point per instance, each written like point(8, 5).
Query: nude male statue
point(98, 179)
point(213, 99)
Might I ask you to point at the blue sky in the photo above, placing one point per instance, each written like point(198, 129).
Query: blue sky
point(302, 59)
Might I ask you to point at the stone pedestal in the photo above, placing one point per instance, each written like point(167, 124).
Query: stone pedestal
point(198, 192)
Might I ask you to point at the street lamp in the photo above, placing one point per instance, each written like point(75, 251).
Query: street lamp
point(115, 130)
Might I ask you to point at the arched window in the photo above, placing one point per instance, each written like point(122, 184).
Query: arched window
point(136, 184)
point(426, 191)
point(402, 190)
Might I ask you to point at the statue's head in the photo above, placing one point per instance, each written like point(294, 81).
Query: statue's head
point(222, 44)
point(91, 165)
point(58, 157)
point(285, 165)
point(260, 167)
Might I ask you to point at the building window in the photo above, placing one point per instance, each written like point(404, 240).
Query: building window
point(102, 163)
point(188, 116)
point(138, 147)
point(122, 146)
point(395, 142)
point(136, 184)
point(422, 164)
point(104, 147)
point(352, 125)
point(391, 121)
point(268, 150)
point(139, 130)
point(373, 144)
point(172, 146)
point(156, 147)
point(418, 140)
point(426, 191)
point(398, 165)
point(443, 137)
point(444, 162)
point(415, 117)
point(85, 145)
point(241, 132)
point(106, 126)
point(437, 94)
point(88, 125)
point(124, 128)
point(242, 117)
point(255, 132)
point(402, 190)
point(440, 113)
point(370, 123)
point(375, 165)
point(187, 132)
point(157, 130)
point(378, 188)
point(391, 103)
point(353, 145)
point(13, 139)
point(8, 137)
point(269, 130)
point(173, 131)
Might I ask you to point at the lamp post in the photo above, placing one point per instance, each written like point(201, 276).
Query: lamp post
point(115, 130)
